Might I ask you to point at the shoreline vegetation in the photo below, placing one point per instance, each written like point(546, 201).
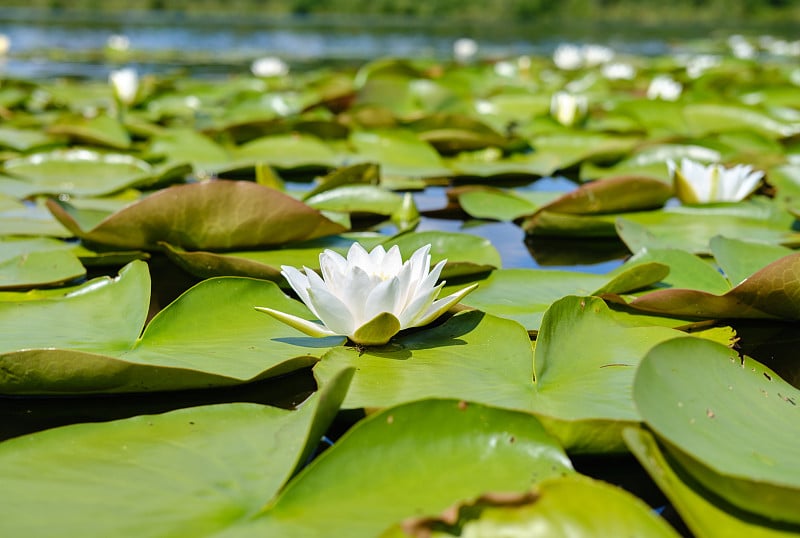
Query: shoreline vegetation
point(471, 13)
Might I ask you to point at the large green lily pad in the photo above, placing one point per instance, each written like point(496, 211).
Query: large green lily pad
point(78, 172)
point(399, 153)
point(372, 477)
point(292, 151)
point(704, 514)
point(581, 392)
point(729, 421)
point(210, 336)
point(693, 227)
point(212, 215)
point(611, 195)
point(771, 292)
point(172, 474)
point(466, 255)
point(27, 263)
point(482, 202)
point(101, 130)
point(525, 294)
point(571, 505)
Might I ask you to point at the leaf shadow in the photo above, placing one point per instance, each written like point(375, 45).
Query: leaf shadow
point(311, 341)
point(444, 332)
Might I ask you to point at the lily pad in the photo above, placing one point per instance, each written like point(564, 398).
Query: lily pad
point(208, 215)
point(685, 270)
point(704, 514)
point(357, 199)
point(399, 153)
point(575, 148)
point(101, 130)
point(651, 162)
point(29, 263)
point(97, 347)
point(693, 228)
point(78, 172)
point(288, 152)
point(582, 393)
point(739, 259)
point(25, 139)
point(28, 219)
point(483, 202)
point(173, 473)
point(584, 506)
point(715, 118)
point(612, 195)
point(525, 294)
point(185, 145)
point(730, 422)
point(365, 482)
point(466, 255)
point(768, 293)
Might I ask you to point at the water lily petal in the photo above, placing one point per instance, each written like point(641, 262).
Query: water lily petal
point(383, 298)
point(376, 257)
point(355, 292)
point(392, 262)
point(418, 306)
point(430, 280)
point(298, 281)
point(332, 311)
point(746, 181)
point(420, 263)
point(333, 267)
point(358, 257)
point(303, 325)
point(377, 331)
point(443, 305)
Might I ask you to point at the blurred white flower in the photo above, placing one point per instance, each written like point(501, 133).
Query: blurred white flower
point(568, 108)
point(369, 296)
point(193, 102)
point(505, 69)
point(741, 47)
point(269, 66)
point(594, 55)
point(664, 87)
point(464, 49)
point(568, 57)
point(118, 42)
point(696, 183)
point(697, 65)
point(482, 106)
point(5, 44)
point(125, 83)
point(619, 71)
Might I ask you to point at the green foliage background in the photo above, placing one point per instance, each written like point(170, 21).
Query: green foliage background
point(518, 11)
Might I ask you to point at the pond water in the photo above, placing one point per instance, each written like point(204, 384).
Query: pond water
point(213, 45)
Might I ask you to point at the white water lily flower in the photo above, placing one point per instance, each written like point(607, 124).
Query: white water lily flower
point(369, 296)
point(269, 66)
point(568, 108)
point(618, 71)
point(696, 183)
point(125, 83)
point(464, 49)
point(5, 44)
point(118, 43)
point(664, 87)
point(568, 57)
